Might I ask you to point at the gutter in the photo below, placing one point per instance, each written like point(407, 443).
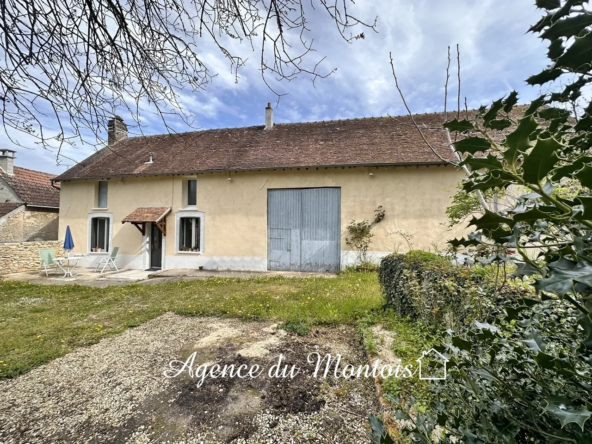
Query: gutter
point(246, 170)
point(42, 206)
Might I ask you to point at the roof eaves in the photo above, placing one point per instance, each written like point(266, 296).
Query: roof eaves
point(41, 206)
point(245, 170)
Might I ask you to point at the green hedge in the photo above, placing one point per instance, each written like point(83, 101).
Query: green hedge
point(427, 286)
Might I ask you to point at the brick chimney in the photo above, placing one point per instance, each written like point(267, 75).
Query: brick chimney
point(116, 130)
point(268, 117)
point(7, 160)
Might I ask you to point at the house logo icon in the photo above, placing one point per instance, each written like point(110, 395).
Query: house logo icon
point(432, 365)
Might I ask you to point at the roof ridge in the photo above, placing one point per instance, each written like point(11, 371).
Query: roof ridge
point(275, 124)
point(35, 171)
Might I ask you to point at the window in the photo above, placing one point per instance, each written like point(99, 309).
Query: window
point(190, 234)
point(102, 203)
point(191, 192)
point(99, 234)
point(189, 231)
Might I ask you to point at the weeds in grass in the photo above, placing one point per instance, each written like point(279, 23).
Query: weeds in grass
point(300, 328)
point(410, 339)
point(68, 316)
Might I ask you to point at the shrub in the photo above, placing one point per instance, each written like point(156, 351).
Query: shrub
point(426, 286)
point(508, 382)
point(424, 256)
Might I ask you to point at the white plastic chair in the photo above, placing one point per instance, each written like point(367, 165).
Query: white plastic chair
point(108, 261)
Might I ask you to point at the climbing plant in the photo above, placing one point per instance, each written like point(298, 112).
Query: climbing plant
point(360, 234)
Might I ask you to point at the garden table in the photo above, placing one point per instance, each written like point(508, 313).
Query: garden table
point(67, 264)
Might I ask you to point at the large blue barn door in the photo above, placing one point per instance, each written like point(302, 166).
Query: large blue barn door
point(304, 229)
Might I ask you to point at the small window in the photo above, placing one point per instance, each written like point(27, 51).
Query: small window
point(102, 194)
point(191, 192)
point(99, 234)
point(189, 234)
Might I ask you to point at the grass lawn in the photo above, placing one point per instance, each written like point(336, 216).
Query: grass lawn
point(39, 322)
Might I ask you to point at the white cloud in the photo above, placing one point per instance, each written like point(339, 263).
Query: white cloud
point(496, 54)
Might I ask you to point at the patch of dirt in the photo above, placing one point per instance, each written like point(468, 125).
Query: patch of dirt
point(143, 406)
point(226, 408)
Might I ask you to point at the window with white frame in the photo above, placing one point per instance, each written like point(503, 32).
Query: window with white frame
point(99, 234)
point(191, 192)
point(190, 234)
point(102, 195)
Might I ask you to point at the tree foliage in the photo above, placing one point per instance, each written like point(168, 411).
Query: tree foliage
point(66, 66)
point(524, 373)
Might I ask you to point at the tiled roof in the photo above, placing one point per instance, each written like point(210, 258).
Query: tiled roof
point(371, 141)
point(7, 207)
point(147, 214)
point(33, 187)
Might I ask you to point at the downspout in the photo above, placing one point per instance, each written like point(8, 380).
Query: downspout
point(53, 185)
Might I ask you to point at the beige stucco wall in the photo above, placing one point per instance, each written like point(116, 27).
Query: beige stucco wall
point(414, 199)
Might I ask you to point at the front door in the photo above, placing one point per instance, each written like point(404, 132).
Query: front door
point(155, 247)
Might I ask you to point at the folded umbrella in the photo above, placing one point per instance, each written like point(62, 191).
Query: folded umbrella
point(68, 241)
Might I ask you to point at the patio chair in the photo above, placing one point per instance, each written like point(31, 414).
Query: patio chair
point(47, 260)
point(108, 261)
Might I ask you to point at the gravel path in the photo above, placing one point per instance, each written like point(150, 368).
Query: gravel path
point(115, 391)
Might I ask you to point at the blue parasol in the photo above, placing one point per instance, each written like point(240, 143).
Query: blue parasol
point(68, 241)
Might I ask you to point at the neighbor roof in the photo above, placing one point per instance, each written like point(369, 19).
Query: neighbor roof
point(33, 187)
point(371, 141)
point(7, 207)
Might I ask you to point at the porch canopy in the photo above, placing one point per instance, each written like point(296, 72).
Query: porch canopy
point(140, 216)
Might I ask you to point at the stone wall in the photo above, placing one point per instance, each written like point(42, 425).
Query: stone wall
point(11, 226)
point(28, 225)
point(24, 256)
point(40, 225)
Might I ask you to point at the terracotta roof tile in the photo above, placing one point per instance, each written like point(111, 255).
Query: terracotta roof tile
point(147, 214)
point(33, 187)
point(368, 141)
point(371, 141)
point(7, 207)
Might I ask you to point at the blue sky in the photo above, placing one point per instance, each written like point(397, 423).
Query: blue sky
point(496, 56)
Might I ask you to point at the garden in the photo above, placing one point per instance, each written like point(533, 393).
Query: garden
point(513, 317)
point(508, 306)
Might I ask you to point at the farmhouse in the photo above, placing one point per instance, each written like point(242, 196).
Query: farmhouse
point(28, 202)
point(269, 197)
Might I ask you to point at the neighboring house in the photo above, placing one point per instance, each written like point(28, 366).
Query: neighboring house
point(269, 197)
point(29, 202)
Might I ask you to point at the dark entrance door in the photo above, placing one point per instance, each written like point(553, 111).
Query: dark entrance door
point(155, 247)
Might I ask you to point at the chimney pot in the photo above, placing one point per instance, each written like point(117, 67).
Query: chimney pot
point(116, 130)
point(7, 160)
point(268, 117)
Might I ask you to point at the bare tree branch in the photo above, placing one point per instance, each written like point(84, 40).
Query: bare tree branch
point(466, 110)
point(67, 66)
point(458, 72)
point(482, 200)
point(411, 114)
point(446, 87)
